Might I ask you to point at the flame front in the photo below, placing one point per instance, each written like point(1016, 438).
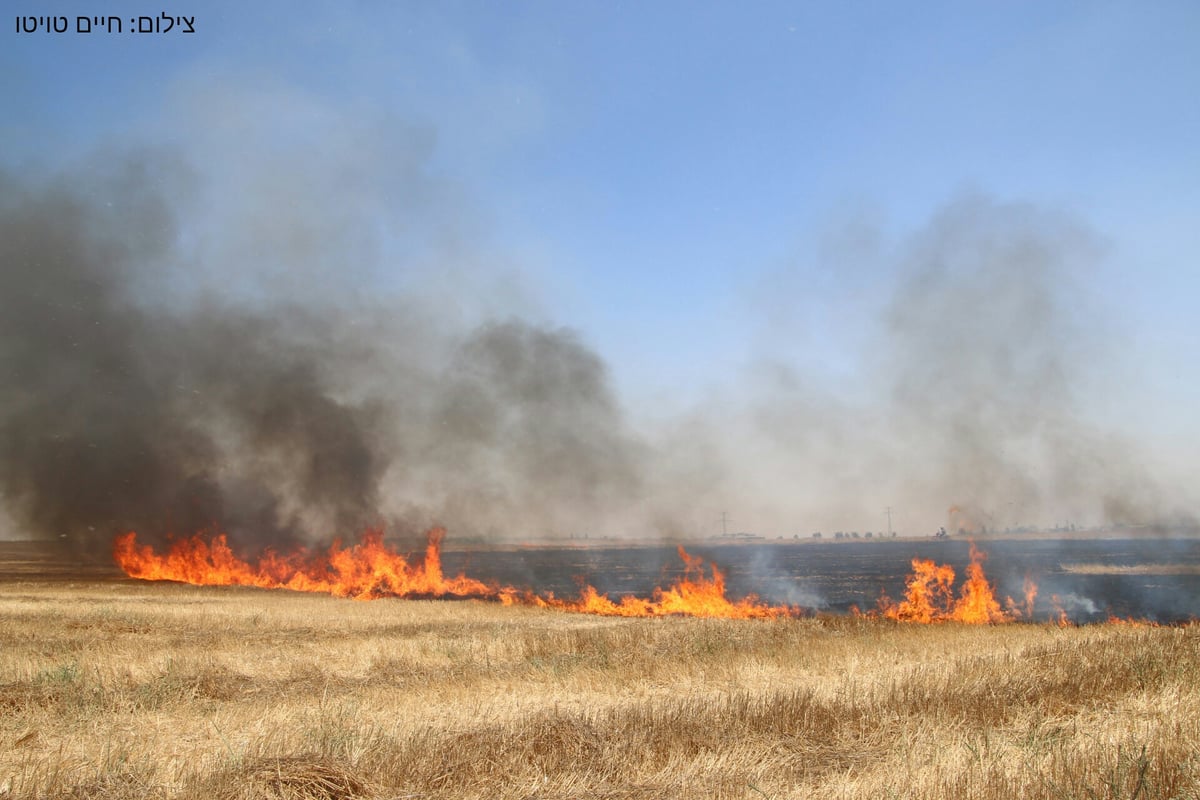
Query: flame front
point(367, 570)
point(695, 594)
point(929, 596)
point(371, 569)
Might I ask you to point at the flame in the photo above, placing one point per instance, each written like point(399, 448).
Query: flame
point(695, 594)
point(371, 569)
point(1060, 612)
point(929, 596)
point(367, 570)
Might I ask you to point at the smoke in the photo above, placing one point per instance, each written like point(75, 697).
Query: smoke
point(238, 334)
point(1074, 604)
point(987, 342)
point(114, 409)
point(965, 356)
point(993, 346)
point(524, 436)
point(136, 397)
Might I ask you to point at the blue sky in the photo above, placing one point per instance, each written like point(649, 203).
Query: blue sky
point(702, 188)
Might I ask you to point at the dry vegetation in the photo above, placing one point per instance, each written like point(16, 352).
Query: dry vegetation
point(1131, 569)
point(123, 690)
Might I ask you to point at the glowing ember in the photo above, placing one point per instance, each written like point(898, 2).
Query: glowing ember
point(929, 596)
point(371, 570)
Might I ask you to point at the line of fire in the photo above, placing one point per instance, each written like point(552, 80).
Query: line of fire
point(371, 569)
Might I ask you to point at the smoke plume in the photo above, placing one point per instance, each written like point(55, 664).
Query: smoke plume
point(129, 405)
point(967, 353)
point(255, 357)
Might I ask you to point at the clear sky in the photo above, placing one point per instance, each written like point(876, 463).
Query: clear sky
point(702, 190)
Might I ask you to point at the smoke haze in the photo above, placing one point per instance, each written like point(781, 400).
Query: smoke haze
point(239, 347)
point(128, 404)
point(973, 345)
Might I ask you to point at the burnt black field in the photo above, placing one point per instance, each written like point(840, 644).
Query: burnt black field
point(833, 577)
point(821, 576)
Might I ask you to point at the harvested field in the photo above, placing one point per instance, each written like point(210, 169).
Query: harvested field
point(1131, 569)
point(124, 690)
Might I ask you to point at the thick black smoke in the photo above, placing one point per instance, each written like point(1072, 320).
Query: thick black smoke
point(114, 412)
point(126, 407)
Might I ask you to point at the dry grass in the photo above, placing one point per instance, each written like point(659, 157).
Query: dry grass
point(1131, 569)
point(126, 690)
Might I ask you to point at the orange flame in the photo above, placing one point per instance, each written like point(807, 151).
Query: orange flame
point(1060, 612)
point(695, 594)
point(929, 596)
point(367, 570)
point(371, 570)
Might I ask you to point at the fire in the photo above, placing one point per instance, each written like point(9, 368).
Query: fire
point(367, 570)
point(1030, 596)
point(695, 594)
point(371, 569)
point(1060, 612)
point(929, 596)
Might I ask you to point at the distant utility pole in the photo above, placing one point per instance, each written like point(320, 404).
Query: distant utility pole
point(724, 529)
point(889, 513)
